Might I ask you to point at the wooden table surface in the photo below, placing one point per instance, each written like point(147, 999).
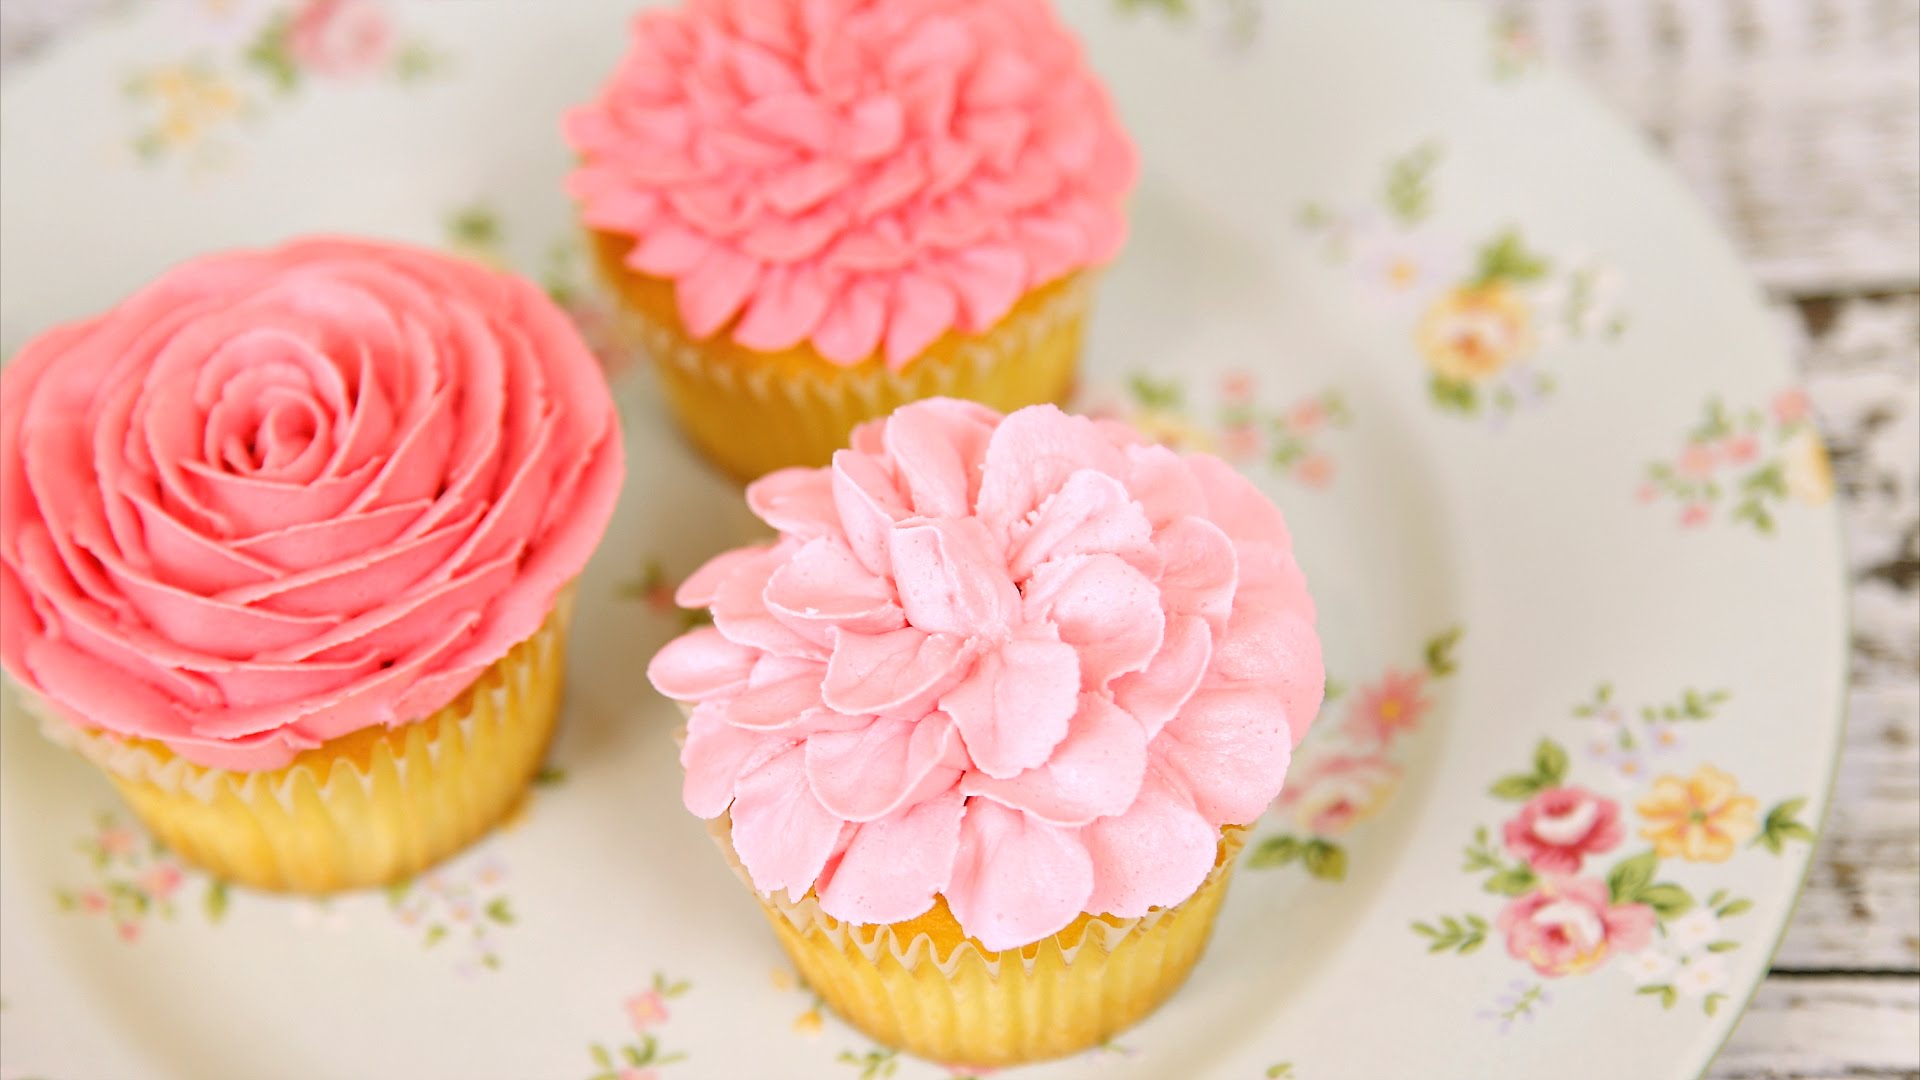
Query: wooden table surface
point(1798, 122)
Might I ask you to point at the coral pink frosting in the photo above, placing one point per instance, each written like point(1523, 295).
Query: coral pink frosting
point(1032, 664)
point(279, 496)
point(861, 174)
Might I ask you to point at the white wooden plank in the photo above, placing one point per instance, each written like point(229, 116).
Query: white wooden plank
point(1797, 122)
point(1861, 907)
point(1826, 1029)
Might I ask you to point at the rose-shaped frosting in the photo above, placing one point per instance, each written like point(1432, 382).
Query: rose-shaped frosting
point(860, 174)
point(1031, 664)
point(279, 496)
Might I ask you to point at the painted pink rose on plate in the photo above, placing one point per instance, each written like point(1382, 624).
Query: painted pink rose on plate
point(1330, 794)
point(279, 496)
point(860, 175)
point(1032, 664)
point(341, 38)
point(1570, 926)
point(1559, 828)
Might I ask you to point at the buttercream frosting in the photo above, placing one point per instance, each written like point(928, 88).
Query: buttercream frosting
point(861, 175)
point(1032, 664)
point(279, 496)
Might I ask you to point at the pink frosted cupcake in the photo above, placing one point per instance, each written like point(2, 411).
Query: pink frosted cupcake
point(983, 724)
point(814, 211)
point(286, 546)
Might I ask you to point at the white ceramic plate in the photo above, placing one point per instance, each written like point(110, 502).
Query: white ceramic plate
point(1546, 468)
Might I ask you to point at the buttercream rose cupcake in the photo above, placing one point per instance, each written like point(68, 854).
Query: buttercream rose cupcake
point(817, 211)
point(286, 541)
point(982, 726)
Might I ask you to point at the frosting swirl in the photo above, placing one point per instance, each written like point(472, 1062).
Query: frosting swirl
point(864, 175)
point(279, 496)
point(1031, 664)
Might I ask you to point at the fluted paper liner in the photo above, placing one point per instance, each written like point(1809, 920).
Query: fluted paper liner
point(368, 808)
point(752, 413)
point(976, 1007)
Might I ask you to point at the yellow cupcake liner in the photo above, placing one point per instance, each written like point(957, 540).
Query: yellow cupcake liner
point(752, 412)
point(924, 987)
point(369, 808)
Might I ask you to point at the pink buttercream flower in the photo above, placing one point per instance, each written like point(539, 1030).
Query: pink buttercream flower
point(1695, 515)
point(93, 901)
point(1032, 664)
point(1558, 828)
point(645, 1009)
point(279, 496)
point(1569, 926)
point(129, 931)
point(1389, 708)
point(631, 1073)
point(1790, 406)
point(116, 840)
point(1329, 795)
point(1697, 461)
point(863, 175)
point(1646, 493)
point(340, 37)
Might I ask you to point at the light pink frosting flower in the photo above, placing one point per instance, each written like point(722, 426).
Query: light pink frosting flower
point(860, 174)
point(1032, 664)
point(276, 497)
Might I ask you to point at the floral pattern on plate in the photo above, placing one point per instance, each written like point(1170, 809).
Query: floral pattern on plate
point(261, 53)
point(1515, 49)
point(135, 880)
point(1291, 439)
point(1577, 901)
point(1236, 22)
point(641, 1059)
point(1743, 466)
point(464, 902)
point(1347, 771)
point(1489, 317)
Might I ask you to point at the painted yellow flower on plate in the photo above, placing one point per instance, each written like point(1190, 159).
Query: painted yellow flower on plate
point(1701, 818)
point(1809, 475)
point(1169, 427)
point(191, 99)
point(1473, 332)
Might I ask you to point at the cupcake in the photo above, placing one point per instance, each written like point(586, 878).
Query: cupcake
point(983, 725)
point(286, 546)
point(814, 212)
